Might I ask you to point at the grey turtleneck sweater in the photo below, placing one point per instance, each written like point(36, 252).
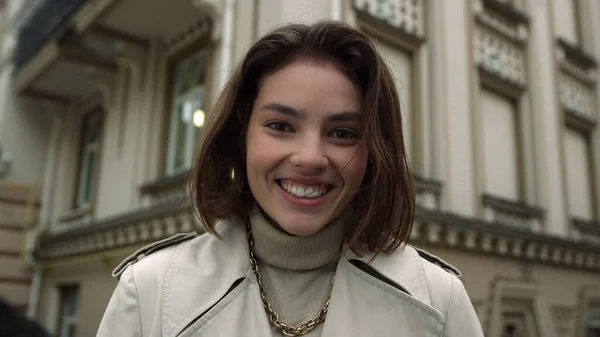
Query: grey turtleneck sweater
point(296, 270)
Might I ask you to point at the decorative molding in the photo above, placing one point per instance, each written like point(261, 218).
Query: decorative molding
point(508, 11)
point(563, 317)
point(428, 192)
point(502, 18)
point(579, 121)
point(499, 56)
point(495, 82)
point(576, 96)
point(129, 229)
point(405, 17)
point(165, 189)
point(431, 226)
point(585, 77)
point(76, 218)
point(107, 33)
point(586, 231)
point(575, 55)
point(510, 213)
point(477, 235)
point(203, 27)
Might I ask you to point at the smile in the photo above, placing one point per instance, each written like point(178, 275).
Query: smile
point(304, 191)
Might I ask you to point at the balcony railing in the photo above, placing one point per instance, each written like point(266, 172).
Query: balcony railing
point(513, 214)
point(165, 189)
point(46, 22)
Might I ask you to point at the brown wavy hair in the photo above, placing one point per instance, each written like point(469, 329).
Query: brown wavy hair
point(383, 206)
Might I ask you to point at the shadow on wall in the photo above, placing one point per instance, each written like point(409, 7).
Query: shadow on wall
point(14, 324)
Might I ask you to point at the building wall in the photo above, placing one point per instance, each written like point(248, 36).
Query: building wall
point(23, 139)
point(23, 124)
point(19, 206)
point(95, 288)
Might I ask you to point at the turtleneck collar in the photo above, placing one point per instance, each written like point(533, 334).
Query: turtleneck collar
point(282, 250)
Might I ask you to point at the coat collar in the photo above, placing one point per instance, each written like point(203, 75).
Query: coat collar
point(395, 266)
point(202, 272)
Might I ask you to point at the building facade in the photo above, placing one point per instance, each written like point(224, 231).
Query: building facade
point(499, 99)
point(20, 175)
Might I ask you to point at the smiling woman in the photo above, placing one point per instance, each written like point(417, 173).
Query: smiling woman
point(302, 183)
point(316, 159)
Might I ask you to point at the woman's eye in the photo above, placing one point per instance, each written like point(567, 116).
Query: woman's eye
point(280, 126)
point(344, 134)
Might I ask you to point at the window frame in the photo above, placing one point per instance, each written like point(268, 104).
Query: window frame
point(520, 147)
point(72, 319)
point(595, 321)
point(588, 297)
point(199, 91)
point(521, 297)
point(590, 163)
point(96, 115)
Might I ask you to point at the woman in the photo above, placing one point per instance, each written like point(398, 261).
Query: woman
point(309, 210)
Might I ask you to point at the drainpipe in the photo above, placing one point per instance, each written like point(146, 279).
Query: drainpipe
point(45, 218)
point(58, 120)
point(34, 293)
point(336, 9)
point(227, 42)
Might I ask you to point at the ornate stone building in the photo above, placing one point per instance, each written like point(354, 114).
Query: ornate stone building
point(500, 107)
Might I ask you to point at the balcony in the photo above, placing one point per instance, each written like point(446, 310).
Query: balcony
point(70, 49)
point(166, 189)
point(512, 214)
point(47, 21)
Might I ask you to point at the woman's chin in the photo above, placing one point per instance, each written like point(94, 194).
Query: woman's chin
point(302, 230)
point(302, 226)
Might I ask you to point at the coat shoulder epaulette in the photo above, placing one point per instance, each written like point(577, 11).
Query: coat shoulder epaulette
point(438, 262)
point(149, 249)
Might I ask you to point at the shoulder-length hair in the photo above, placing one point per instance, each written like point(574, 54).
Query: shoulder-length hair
point(384, 205)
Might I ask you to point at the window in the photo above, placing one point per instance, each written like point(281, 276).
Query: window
point(69, 311)
point(514, 325)
point(514, 310)
point(187, 112)
point(566, 18)
point(593, 320)
point(400, 63)
point(518, 319)
point(89, 160)
point(578, 174)
point(500, 146)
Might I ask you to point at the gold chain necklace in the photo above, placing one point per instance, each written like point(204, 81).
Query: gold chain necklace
point(288, 330)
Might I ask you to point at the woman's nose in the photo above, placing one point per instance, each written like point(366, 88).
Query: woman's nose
point(309, 154)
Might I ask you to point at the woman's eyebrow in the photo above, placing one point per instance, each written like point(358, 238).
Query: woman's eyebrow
point(342, 116)
point(284, 109)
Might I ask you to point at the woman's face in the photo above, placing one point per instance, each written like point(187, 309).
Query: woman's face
point(306, 156)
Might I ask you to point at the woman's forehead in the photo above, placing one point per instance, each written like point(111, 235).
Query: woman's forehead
point(309, 85)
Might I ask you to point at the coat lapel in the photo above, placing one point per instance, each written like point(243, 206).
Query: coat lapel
point(363, 305)
point(216, 264)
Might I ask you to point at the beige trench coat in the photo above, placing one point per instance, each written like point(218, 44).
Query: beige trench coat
point(201, 286)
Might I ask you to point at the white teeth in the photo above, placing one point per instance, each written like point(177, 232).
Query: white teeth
point(303, 191)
